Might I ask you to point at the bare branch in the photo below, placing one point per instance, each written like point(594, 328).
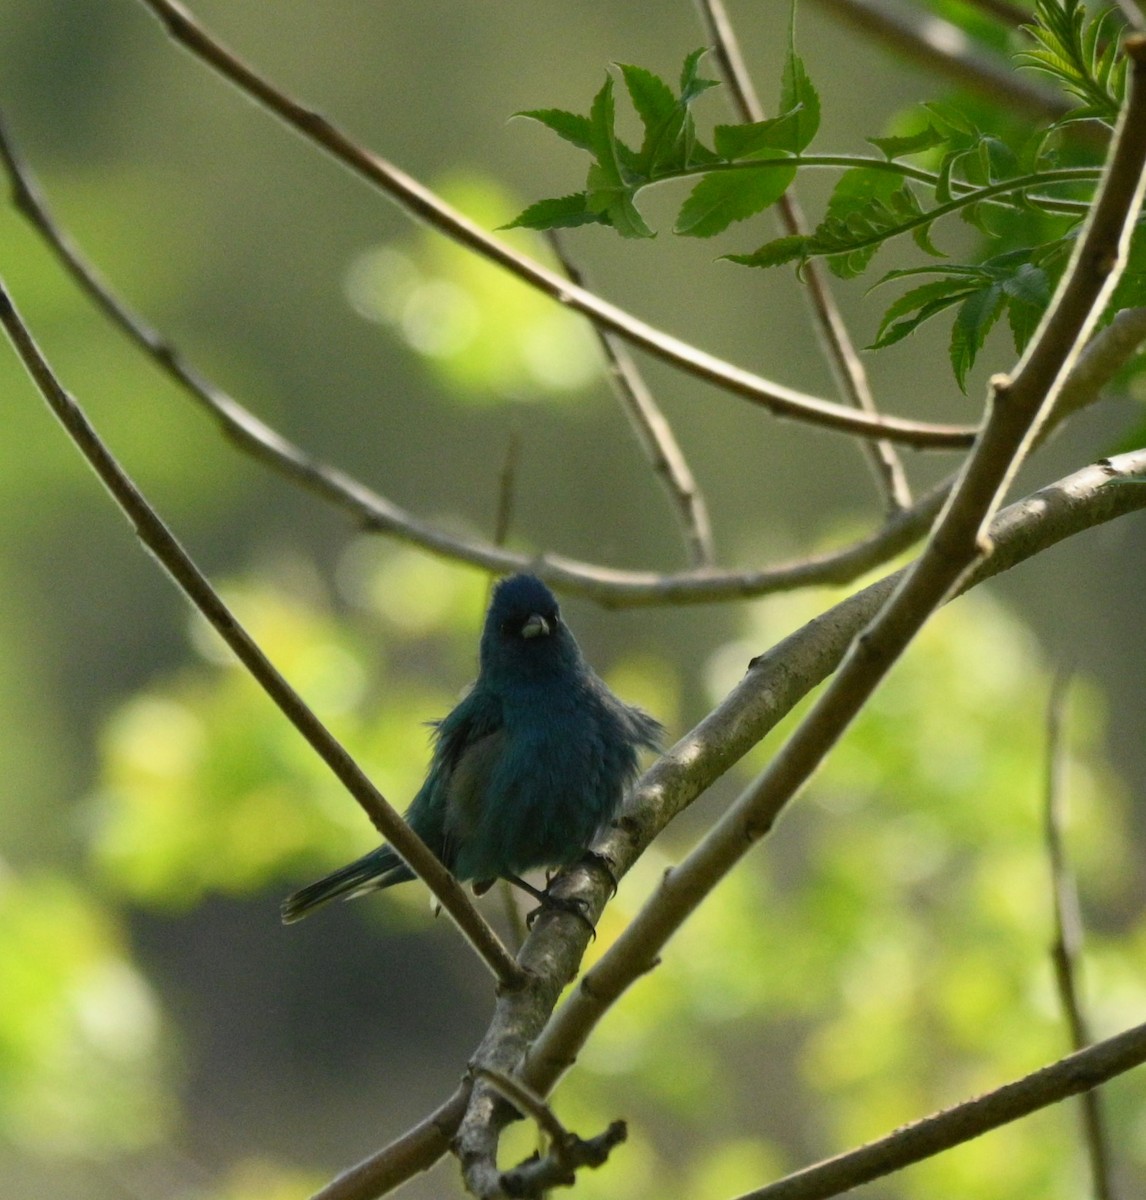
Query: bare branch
point(1067, 947)
point(847, 366)
point(606, 585)
point(161, 542)
point(424, 204)
point(654, 434)
point(939, 47)
point(1070, 1076)
point(415, 1151)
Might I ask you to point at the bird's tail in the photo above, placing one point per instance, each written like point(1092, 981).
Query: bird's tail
point(381, 868)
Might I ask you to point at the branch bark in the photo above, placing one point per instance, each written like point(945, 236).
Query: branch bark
point(420, 202)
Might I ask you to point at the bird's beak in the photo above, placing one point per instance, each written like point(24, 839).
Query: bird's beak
point(535, 626)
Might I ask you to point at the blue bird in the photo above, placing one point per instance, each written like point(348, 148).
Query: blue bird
point(526, 769)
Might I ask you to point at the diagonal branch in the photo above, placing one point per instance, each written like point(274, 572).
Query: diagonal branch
point(935, 45)
point(1076, 1074)
point(161, 542)
point(847, 366)
point(424, 204)
point(1067, 946)
point(415, 1151)
point(378, 514)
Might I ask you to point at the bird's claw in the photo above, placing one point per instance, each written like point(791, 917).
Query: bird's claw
point(606, 865)
point(571, 905)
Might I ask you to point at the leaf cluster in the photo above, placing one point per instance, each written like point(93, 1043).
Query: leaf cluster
point(1024, 192)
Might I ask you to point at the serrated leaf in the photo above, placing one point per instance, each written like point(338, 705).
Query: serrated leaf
point(1027, 284)
point(1023, 320)
point(743, 141)
point(925, 302)
point(799, 96)
point(974, 320)
point(773, 253)
point(726, 196)
point(913, 143)
point(662, 116)
point(691, 83)
point(603, 139)
point(567, 125)
point(561, 212)
point(921, 236)
point(614, 202)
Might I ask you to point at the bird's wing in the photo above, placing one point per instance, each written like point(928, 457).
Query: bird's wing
point(467, 745)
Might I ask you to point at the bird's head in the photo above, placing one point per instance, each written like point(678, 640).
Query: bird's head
point(524, 635)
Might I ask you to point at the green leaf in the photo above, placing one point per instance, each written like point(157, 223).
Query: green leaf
point(975, 319)
point(1081, 55)
point(799, 96)
point(567, 125)
point(562, 212)
point(925, 301)
point(663, 117)
point(744, 141)
point(691, 83)
point(726, 196)
point(912, 143)
point(774, 253)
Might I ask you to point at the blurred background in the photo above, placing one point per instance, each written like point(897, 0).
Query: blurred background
point(161, 1034)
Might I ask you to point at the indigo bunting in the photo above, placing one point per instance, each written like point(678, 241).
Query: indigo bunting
point(525, 770)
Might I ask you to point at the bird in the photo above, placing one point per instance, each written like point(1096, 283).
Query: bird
point(525, 771)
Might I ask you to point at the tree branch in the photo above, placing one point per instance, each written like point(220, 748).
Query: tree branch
point(415, 1151)
point(376, 513)
point(1067, 946)
point(1070, 1076)
point(161, 542)
point(937, 46)
point(775, 683)
point(424, 204)
point(847, 366)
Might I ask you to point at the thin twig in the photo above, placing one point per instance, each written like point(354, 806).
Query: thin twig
point(378, 514)
point(1077, 1073)
point(937, 46)
point(847, 366)
point(424, 204)
point(653, 432)
point(158, 539)
point(1066, 949)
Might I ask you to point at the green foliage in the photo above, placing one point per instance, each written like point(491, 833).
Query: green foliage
point(748, 170)
point(1081, 54)
point(80, 1065)
point(998, 181)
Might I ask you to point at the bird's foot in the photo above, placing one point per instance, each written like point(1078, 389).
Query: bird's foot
point(606, 865)
point(572, 905)
point(547, 900)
